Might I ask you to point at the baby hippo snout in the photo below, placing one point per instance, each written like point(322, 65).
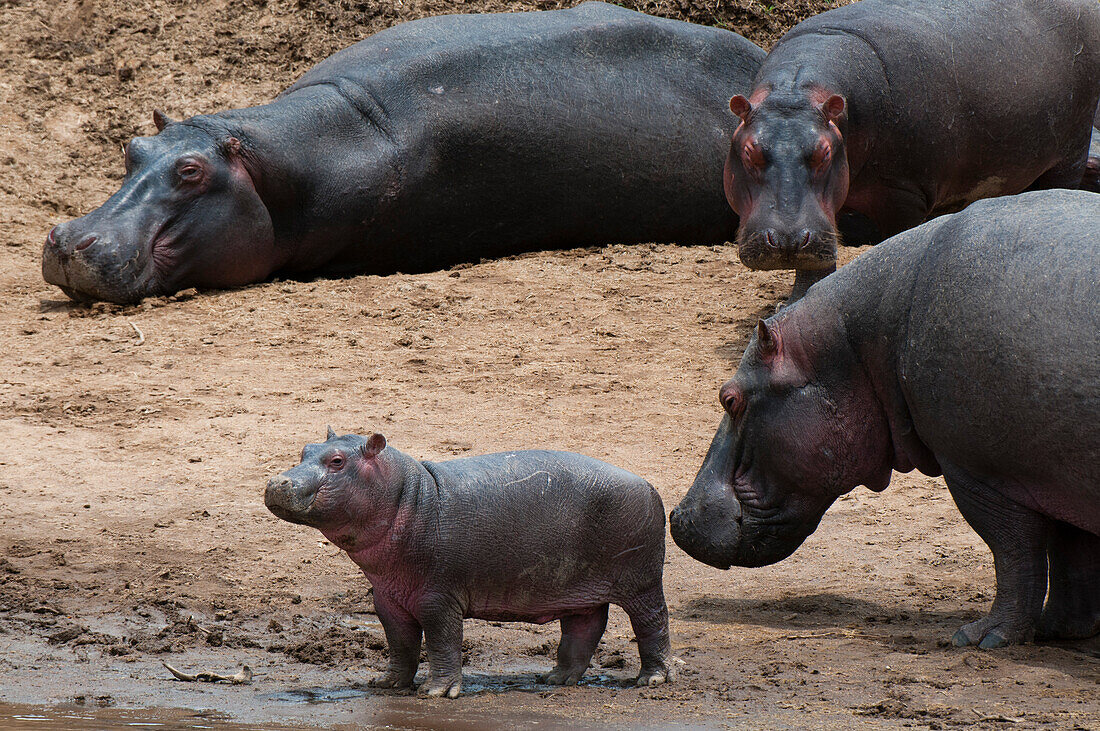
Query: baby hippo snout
point(287, 500)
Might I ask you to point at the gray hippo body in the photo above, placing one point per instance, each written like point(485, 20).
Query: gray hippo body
point(969, 346)
point(530, 536)
point(437, 141)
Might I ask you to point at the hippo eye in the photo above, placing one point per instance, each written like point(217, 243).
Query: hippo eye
point(752, 156)
point(336, 463)
point(189, 172)
point(732, 401)
point(821, 156)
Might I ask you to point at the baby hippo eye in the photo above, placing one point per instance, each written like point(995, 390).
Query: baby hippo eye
point(335, 463)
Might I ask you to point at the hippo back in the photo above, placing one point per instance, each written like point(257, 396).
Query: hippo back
point(614, 123)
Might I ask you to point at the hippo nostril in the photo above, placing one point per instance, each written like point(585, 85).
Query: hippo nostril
point(279, 483)
point(769, 237)
point(86, 242)
point(806, 236)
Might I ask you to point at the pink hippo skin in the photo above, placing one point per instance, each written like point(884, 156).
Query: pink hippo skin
point(531, 536)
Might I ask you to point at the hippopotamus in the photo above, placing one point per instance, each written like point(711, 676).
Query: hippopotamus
point(968, 346)
point(1091, 180)
point(528, 536)
point(434, 142)
point(873, 117)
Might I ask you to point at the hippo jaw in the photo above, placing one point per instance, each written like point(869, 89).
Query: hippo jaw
point(89, 266)
point(711, 525)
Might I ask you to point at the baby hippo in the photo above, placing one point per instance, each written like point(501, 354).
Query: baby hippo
point(528, 536)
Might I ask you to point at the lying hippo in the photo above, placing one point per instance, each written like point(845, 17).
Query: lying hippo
point(880, 114)
point(434, 142)
point(969, 346)
point(514, 537)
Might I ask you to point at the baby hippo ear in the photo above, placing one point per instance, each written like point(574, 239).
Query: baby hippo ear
point(331, 434)
point(375, 444)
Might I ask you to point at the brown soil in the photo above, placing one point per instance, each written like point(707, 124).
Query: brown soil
point(136, 440)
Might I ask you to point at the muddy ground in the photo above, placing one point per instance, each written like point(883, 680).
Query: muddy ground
point(136, 440)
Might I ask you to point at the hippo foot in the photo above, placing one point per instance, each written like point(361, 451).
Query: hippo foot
point(1060, 626)
point(655, 676)
point(563, 676)
point(390, 679)
point(442, 688)
point(990, 632)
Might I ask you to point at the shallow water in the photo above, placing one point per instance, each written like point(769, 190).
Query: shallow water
point(395, 713)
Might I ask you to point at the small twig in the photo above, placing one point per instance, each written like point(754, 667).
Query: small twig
point(244, 677)
point(140, 334)
point(1001, 719)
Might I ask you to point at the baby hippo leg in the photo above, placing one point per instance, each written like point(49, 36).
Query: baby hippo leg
point(580, 633)
point(403, 638)
point(442, 623)
point(649, 617)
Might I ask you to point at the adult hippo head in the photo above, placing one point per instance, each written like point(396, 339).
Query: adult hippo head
point(786, 176)
point(187, 212)
point(793, 439)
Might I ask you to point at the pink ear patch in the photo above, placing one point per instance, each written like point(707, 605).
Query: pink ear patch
point(740, 106)
point(375, 444)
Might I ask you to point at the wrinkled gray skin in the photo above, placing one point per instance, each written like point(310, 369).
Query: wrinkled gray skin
point(969, 346)
point(437, 141)
point(531, 536)
point(1091, 180)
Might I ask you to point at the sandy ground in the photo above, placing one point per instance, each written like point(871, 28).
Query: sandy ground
point(136, 442)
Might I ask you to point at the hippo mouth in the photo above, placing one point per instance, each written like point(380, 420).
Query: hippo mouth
point(807, 250)
point(90, 272)
point(288, 502)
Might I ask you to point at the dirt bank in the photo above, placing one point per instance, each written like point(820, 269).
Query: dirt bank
point(136, 440)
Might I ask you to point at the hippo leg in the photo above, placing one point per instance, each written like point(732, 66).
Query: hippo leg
point(803, 280)
point(442, 623)
point(403, 635)
point(580, 633)
point(649, 618)
point(1017, 537)
point(1073, 601)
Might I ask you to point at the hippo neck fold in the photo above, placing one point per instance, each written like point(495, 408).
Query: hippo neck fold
point(386, 534)
point(283, 157)
point(877, 336)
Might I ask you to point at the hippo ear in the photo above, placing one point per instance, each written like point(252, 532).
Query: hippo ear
point(767, 340)
point(375, 444)
point(740, 106)
point(833, 108)
point(233, 146)
point(161, 120)
point(331, 434)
